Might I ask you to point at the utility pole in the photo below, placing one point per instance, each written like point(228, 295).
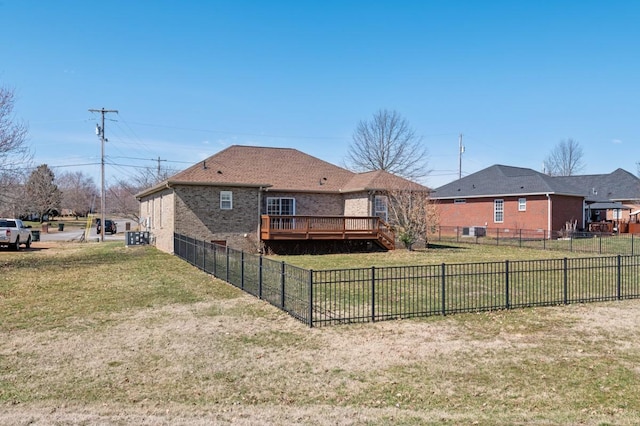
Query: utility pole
point(158, 174)
point(461, 151)
point(100, 133)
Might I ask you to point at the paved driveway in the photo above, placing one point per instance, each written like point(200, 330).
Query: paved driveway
point(76, 234)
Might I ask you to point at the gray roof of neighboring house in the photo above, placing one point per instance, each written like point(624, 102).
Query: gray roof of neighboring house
point(500, 180)
point(620, 185)
point(608, 205)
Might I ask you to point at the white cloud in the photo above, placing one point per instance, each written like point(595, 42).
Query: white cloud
point(616, 141)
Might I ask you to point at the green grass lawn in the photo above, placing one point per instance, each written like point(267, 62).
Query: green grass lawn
point(625, 244)
point(98, 333)
point(436, 254)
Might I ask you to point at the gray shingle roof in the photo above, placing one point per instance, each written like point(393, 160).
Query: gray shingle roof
point(500, 180)
point(620, 185)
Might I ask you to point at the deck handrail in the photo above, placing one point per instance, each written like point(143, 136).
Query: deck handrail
point(307, 226)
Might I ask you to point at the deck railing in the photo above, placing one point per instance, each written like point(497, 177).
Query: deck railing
point(326, 228)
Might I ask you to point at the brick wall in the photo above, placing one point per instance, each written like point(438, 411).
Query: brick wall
point(198, 215)
point(310, 204)
point(480, 212)
point(357, 204)
point(157, 215)
point(566, 209)
point(195, 211)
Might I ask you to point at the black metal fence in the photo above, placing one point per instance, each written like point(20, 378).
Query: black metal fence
point(573, 241)
point(374, 294)
point(282, 285)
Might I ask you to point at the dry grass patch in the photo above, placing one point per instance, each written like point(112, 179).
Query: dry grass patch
point(158, 342)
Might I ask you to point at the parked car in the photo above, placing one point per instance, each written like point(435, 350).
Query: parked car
point(110, 226)
point(13, 233)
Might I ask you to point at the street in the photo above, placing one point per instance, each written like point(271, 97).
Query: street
point(76, 234)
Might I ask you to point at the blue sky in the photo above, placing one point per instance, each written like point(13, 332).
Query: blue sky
point(190, 78)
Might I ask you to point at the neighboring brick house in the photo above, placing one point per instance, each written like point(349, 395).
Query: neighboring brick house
point(223, 197)
point(603, 191)
point(520, 198)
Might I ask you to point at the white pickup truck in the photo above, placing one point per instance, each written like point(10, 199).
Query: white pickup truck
point(13, 233)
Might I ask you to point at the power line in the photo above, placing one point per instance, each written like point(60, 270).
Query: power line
point(152, 159)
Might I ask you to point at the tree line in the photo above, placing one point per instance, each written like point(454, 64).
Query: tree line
point(42, 194)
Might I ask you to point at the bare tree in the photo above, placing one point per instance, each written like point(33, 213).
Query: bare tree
point(412, 213)
point(121, 199)
point(79, 192)
point(43, 195)
point(121, 196)
point(565, 159)
point(12, 202)
point(387, 142)
point(14, 153)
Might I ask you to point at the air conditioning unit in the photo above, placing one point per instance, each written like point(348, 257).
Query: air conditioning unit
point(480, 231)
point(474, 231)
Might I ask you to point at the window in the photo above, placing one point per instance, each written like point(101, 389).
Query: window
point(498, 211)
point(281, 206)
point(617, 214)
point(380, 207)
point(226, 200)
point(522, 204)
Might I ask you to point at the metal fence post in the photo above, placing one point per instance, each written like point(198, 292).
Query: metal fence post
point(507, 303)
point(442, 279)
point(600, 243)
point(565, 290)
point(282, 271)
point(215, 260)
point(242, 270)
point(619, 279)
point(311, 298)
point(204, 256)
point(227, 266)
point(260, 278)
point(373, 294)
point(497, 236)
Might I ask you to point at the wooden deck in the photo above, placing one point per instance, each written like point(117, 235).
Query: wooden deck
point(327, 228)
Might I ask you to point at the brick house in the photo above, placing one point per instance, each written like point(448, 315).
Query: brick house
point(520, 198)
point(252, 197)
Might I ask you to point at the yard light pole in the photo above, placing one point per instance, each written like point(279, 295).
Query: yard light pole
point(100, 133)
